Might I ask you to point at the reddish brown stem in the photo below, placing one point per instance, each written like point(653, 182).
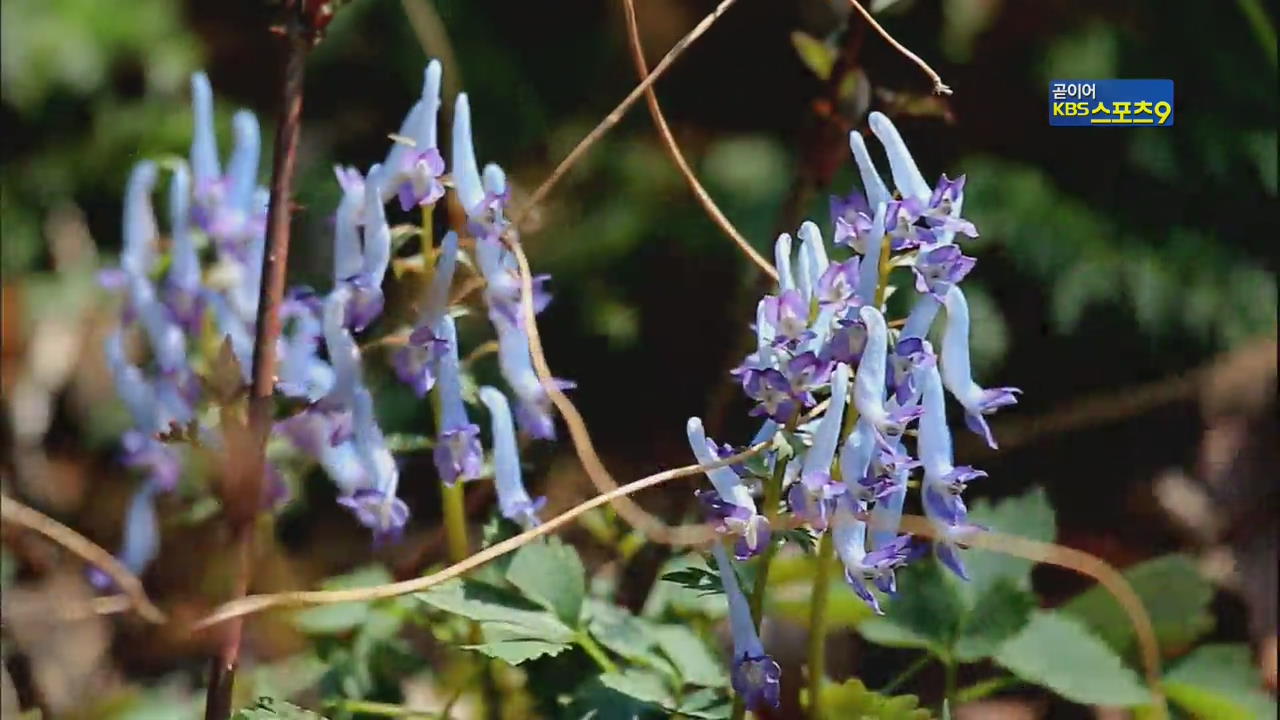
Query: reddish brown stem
point(243, 495)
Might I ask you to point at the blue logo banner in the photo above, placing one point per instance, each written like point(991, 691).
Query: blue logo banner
point(1111, 103)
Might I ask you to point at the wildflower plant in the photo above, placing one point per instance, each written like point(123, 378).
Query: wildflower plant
point(853, 436)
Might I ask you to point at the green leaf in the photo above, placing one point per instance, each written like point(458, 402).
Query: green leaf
point(677, 599)
point(816, 55)
point(693, 661)
point(272, 709)
point(925, 613)
point(699, 580)
point(596, 701)
point(342, 617)
point(851, 700)
point(996, 616)
point(515, 652)
point(550, 573)
point(487, 604)
point(641, 685)
point(1029, 516)
point(1220, 682)
point(1174, 593)
point(621, 632)
point(1059, 652)
point(800, 537)
point(706, 704)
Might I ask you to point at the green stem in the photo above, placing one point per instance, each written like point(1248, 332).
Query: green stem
point(950, 687)
point(453, 506)
point(1261, 26)
point(907, 674)
point(818, 624)
point(982, 689)
point(772, 499)
point(597, 653)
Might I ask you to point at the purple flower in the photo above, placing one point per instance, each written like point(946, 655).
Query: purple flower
point(383, 513)
point(413, 162)
point(772, 390)
point(457, 453)
point(533, 411)
point(869, 385)
point(851, 217)
point(326, 438)
point(731, 504)
point(910, 355)
point(160, 461)
point(422, 186)
point(957, 375)
point(755, 676)
point(847, 341)
point(900, 224)
point(806, 372)
point(141, 536)
point(906, 176)
point(938, 268)
point(862, 567)
point(816, 491)
point(943, 212)
point(877, 193)
point(836, 285)
point(788, 315)
point(205, 165)
point(301, 372)
point(513, 500)
point(465, 171)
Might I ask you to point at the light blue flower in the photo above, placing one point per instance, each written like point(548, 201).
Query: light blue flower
point(730, 505)
point(463, 167)
point(957, 374)
point(755, 676)
point(814, 496)
point(869, 385)
point(513, 500)
point(457, 453)
point(205, 166)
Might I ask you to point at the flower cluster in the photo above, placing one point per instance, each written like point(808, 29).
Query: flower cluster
point(823, 332)
point(206, 295)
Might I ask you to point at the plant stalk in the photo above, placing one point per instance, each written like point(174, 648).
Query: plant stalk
point(772, 499)
point(243, 494)
point(818, 624)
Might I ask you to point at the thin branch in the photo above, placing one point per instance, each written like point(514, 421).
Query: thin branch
point(613, 117)
point(242, 496)
point(669, 142)
point(653, 528)
point(258, 603)
point(939, 87)
point(128, 583)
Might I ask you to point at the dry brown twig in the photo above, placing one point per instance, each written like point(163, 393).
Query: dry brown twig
point(616, 114)
point(258, 603)
point(19, 514)
point(673, 149)
point(939, 87)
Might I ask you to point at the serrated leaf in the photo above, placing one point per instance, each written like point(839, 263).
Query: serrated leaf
point(706, 704)
point(550, 573)
point(851, 700)
point(1029, 516)
point(1174, 593)
point(693, 661)
point(619, 631)
point(342, 617)
point(271, 709)
point(926, 612)
point(998, 615)
point(1220, 682)
point(699, 580)
point(488, 604)
point(515, 652)
point(816, 55)
point(801, 538)
point(670, 597)
point(641, 685)
point(1058, 652)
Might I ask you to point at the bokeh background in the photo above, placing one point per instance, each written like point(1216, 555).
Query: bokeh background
point(1125, 278)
